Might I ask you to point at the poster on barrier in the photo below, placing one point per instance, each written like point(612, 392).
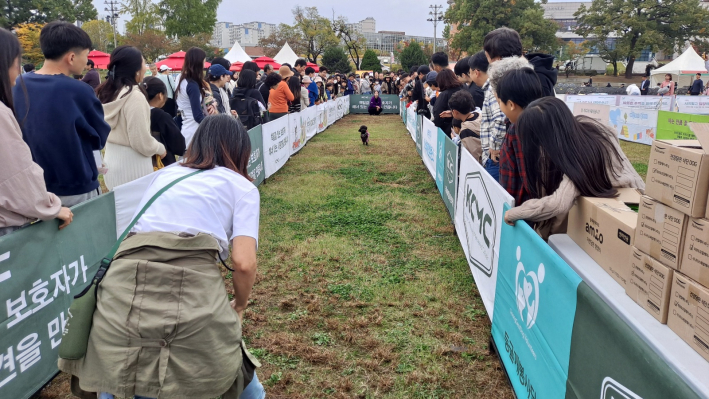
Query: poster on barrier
point(534, 310)
point(347, 105)
point(692, 104)
point(429, 134)
point(646, 102)
point(296, 131)
point(449, 162)
point(440, 160)
point(597, 112)
point(276, 145)
point(311, 122)
point(41, 269)
point(322, 117)
point(255, 166)
point(590, 99)
point(634, 124)
point(674, 125)
point(411, 122)
point(478, 219)
point(340, 107)
point(417, 132)
point(331, 112)
point(360, 103)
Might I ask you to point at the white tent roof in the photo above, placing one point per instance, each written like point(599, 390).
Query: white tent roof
point(237, 54)
point(286, 55)
point(688, 63)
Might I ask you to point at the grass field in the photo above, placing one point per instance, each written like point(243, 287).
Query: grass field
point(363, 289)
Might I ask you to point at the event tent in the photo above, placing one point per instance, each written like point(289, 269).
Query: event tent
point(682, 69)
point(176, 60)
point(314, 66)
point(236, 67)
point(237, 54)
point(286, 55)
point(262, 61)
point(100, 59)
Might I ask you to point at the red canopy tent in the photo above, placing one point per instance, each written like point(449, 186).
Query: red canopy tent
point(314, 66)
point(176, 60)
point(236, 67)
point(100, 59)
point(262, 61)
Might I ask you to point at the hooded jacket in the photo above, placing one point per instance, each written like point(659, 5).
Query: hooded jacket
point(470, 136)
point(129, 118)
point(544, 67)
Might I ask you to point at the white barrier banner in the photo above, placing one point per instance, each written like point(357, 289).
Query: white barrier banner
point(276, 145)
point(590, 99)
point(340, 107)
point(698, 105)
point(646, 102)
point(296, 130)
point(347, 105)
point(331, 112)
point(311, 122)
point(634, 124)
point(430, 145)
point(322, 117)
point(478, 222)
point(411, 122)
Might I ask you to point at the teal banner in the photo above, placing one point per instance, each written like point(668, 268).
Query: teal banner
point(449, 161)
point(535, 305)
point(440, 161)
point(359, 104)
point(255, 167)
point(402, 111)
point(417, 126)
point(41, 269)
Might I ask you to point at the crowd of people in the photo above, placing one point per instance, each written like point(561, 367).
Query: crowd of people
point(499, 104)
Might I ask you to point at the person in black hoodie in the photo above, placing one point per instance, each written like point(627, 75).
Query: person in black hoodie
point(544, 67)
point(246, 86)
point(419, 94)
point(162, 126)
point(448, 83)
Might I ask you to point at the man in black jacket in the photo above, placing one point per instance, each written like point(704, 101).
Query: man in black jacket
point(644, 86)
point(697, 86)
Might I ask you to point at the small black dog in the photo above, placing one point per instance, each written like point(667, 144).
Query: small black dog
point(364, 135)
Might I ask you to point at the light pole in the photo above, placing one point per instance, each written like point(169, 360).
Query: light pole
point(112, 7)
point(436, 17)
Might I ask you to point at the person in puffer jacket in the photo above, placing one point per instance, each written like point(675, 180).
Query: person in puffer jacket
point(461, 105)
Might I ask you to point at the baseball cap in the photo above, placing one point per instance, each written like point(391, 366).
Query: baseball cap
point(431, 76)
point(218, 70)
point(164, 68)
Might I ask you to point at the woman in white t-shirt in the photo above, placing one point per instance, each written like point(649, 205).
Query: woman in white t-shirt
point(164, 326)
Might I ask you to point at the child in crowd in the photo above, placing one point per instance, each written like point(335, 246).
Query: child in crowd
point(461, 105)
point(162, 126)
point(566, 157)
point(364, 134)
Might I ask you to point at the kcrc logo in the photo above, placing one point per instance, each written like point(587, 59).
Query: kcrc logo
point(612, 389)
point(479, 219)
point(527, 290)
point(450, 167)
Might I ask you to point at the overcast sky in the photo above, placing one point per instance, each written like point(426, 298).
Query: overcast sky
point(392, 15)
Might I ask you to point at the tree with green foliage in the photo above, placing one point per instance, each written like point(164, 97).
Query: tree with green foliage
point(15, 12)
point(335, 59)
point(145, 15)
point(353, 41)
point(475, 18)
point(101, 34)
point(315, 30)
point(189, 17)
point(640, 24)
point(370, 62)
point(412, 55)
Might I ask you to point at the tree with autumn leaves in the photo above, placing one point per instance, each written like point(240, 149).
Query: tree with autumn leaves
point(28, 35)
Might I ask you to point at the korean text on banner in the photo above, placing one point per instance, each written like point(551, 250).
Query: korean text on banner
point(311, 122)
point(331, 112)
point(646, 102)
point(692, 104)
point(478, 219)
point(535, 306)
point(360, 103)
point(634, 124)
point(597, 112)
point(440, 161)
point(41, 269)
point(322, 116)
point(450, 178)
point(590, 99)
point(296, 130)
point(276, 145)
point(674, 125)
point(429, 133)
point(255, 166)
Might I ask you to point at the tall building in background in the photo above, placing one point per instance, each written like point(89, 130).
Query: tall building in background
point(367, 25)
point(248, 34)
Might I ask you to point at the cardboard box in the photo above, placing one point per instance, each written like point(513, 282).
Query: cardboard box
point(695, 256)
point(678, 172)
point(649, 284)
point(605, 229)
point(689, 313)
point(660, 232)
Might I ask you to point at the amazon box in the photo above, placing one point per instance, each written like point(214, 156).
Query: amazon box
point(660, 231)
point(649, 284)
point(695, 257)
point(689, 313)
point(605, 229)
point(678, 172)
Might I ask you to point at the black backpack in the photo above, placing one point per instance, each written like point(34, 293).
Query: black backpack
point(248, 110)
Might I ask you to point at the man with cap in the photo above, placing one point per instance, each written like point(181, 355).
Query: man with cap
point(218, 76)
point(432, 89)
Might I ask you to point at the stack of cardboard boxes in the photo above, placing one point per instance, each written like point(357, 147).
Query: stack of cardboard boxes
point(667, 272)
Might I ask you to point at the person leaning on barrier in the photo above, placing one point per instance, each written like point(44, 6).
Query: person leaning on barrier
point(23, 193)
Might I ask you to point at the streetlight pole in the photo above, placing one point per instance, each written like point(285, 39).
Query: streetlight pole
point(112, 7)
point(436, 17)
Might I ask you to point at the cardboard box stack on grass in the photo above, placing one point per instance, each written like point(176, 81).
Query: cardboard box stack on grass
point(667, 272)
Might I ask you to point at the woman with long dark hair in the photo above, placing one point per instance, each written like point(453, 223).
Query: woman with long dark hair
point(448, 84)
point(295, 88)
point(162, 126)
point(24, 196)
point(191, 93)
point(566, 157)
point(164, 325)
point(246, 87)
point(130, 145)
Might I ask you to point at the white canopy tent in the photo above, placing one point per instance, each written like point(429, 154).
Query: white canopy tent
point(682, 69)
point(237, 54)
point(286, 55)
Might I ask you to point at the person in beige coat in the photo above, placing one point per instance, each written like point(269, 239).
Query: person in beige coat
point(130, 145)
point(568, 157)
point(23, 193)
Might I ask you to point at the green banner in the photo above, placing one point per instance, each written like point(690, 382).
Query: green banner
point(450, 174)
point(41, 269)
point(359, 104)
point(417, 125)
point(675, 125)
point(255, 167)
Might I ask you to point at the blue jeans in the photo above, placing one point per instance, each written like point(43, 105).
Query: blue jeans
point(493, 168)
point(252, 391)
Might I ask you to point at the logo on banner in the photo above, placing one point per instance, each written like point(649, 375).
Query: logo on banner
point(450, 166)
point(480, 220)
point(612, 389)
point(303, 129)
point(527, 290)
